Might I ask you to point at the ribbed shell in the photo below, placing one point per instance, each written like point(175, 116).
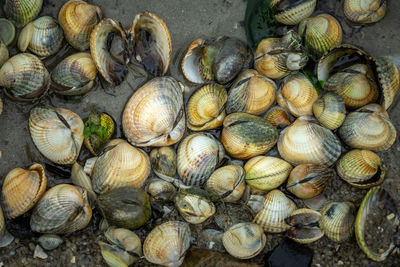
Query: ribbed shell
point(194, 206)
point(22, 189)
point(20, 12)
point(198, 156)
point(79, 178)
point(120, 165)
point(266, 173)
point(206, 108)
point(292, 15)
point(330, 110)
point(278, 116)
point(7, 31)
point(167, 243)
point(57, 133)
point(337, 220)
point(302, 230)
point(25, 77)
point(154, 115)
point(389, 81)
point(78, 19)
point(365, 11)
point(277, 207)
point(191, 61)
point(251, 93)
point(63, 209)
point(163, 161)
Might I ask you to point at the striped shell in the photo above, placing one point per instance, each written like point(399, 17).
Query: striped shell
point(291, 14)
point(337, 220)
point(389, 81)
point(330, 110)
point(303, 229)
point(278, 117)
point(20, 12)
point(365, 11)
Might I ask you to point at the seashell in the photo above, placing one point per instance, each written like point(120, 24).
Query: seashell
point(78, 19)
point(163, 161)
point(361, 168)
point(292, 12)
point(194, 205)
point(167, 243)
point(368, 128)
point(50, 242)
point(330, 110)
point(304, 228)
point(43, 37)
point(337, 220)
point(99, 128)
point(152, 42)
point(317, 202)
point(126, 207)
point(251, 93)
point(244, 240)
point(306, 142)
point(278, 57)
point(278, 116)
point(3, 53)
point(227, 182)
point(266, 173)
point(297, 95)
point(7, 32)
point(57, 133)
point(309, 180)
point(2, 224)
point(115, 256)
point(206, 108)
point(22, 189)
point(24, 77)
point(79, 178)
point(161, 190)
point(320, 33)
point(74, 75)
point(277, 207)
point(198, 156)
point(63, 209)
point(245, 135)
point(365, 11)
point(20, 12)
point(154, 115)
point(109, 49)
point(191, 61)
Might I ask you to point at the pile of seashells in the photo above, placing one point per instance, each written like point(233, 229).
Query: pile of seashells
point(315, 132)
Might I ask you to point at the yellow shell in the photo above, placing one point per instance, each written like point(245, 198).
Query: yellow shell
point(278, 116)
point(365, 11)
point(389, 80)
point(20, 12)
point(293, 14)
point(330, 110)
point(337, 220)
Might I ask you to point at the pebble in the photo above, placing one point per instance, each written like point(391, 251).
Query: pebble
point(39, 253)
point(340, 263)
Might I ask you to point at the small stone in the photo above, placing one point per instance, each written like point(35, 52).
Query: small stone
point(39, 253)
point(50, 242)
point(31, 246)
point(73, 259)
point(340, 262)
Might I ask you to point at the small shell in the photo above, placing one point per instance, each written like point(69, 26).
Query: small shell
point(251, 93)
point(191, 61)
point(244, 240)
point(277, 207)
point(20, 12)
point(291, 14)
point(4, 54)
point(125, 239)
point(161, 190)
point(365, 11)
point(115, 256)
point(99, 128)
point(278, 116)
point(389, 81)
point(266, 173)
point(167, 243)
point(206, 108)
point(245, 135)
point(57, 133)
point(303, 228)
point(50, 242)
point(163, 161)
point(330, 111)
point(309, 180)
point(22, 189)
point(7, 31)
point(337, 220)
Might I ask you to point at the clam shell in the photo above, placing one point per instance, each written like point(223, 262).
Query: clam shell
point(337, 220)
point(20, 12)
point(278, 116)
point(3, 53)
point(191, 62)
point(2, 224)
point(22, 189)
point(365, 11)
point(167, 243)
point(294, 13)
point(125, 239)
point(79, 178)
point(57, 133)
point(154, 115)
point(388, 77)
point(163, 161)
point(330, 111)
point(303, 228)
point(7, 31)
point(161, 190)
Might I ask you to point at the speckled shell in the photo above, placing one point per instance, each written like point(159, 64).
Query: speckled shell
point(294, 13)
point(154, 115)
point(22, 189)
point(7, 31)
point(78, 19)
point(389, 81)
point(330, 110)
point(251, 93)
point(302, 229)
point(244, 240)
point(365, 11)
point(306, 142)
point(63, 209)
point(266, 173)
point(57, 133)
point(206, 108)
point(3, 53)
point(20, 12)
point(194, 205)
point(278, 116)
point(24, 77)
point(163, 161)
point(337, 220)
point(277, 207)
point(167, 243)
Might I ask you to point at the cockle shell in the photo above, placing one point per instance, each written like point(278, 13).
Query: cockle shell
point(292, 12)
point(278, 116)
point(303, 226)
point(20, 12)
point(330, 110)
point(389, 80)
point(365, 11)
point(337, 220)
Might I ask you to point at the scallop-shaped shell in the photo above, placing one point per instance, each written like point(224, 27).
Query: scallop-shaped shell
point(337, 220)
point(330, 110)
point(4, 54)
point(163, 161)
point(161, 190)
point(245, 135)
point(24, 77)
point(152, 42)
point(57, 133)
point(389, 81)
point(109, 50)
point(361, 168)
point(167, 243)
point(74, 75)
point(306, 142)
point(251, 93)
point(63, 209)
point(320, 33)
point(368, 129)
point(278, 116)
point(244, 240)
point(365, 11)
point(154, 115)
point(7, 31)
point(266, 173)
point(297, 95)
point(303, 230)
point(120, 165)
point(291, 14)
point(309, 180)
point(227, 182)
point(20, 12)
point(206, 108)
point(2, 224)
point(22, 189)
point(43, 37)
point(198, 156)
